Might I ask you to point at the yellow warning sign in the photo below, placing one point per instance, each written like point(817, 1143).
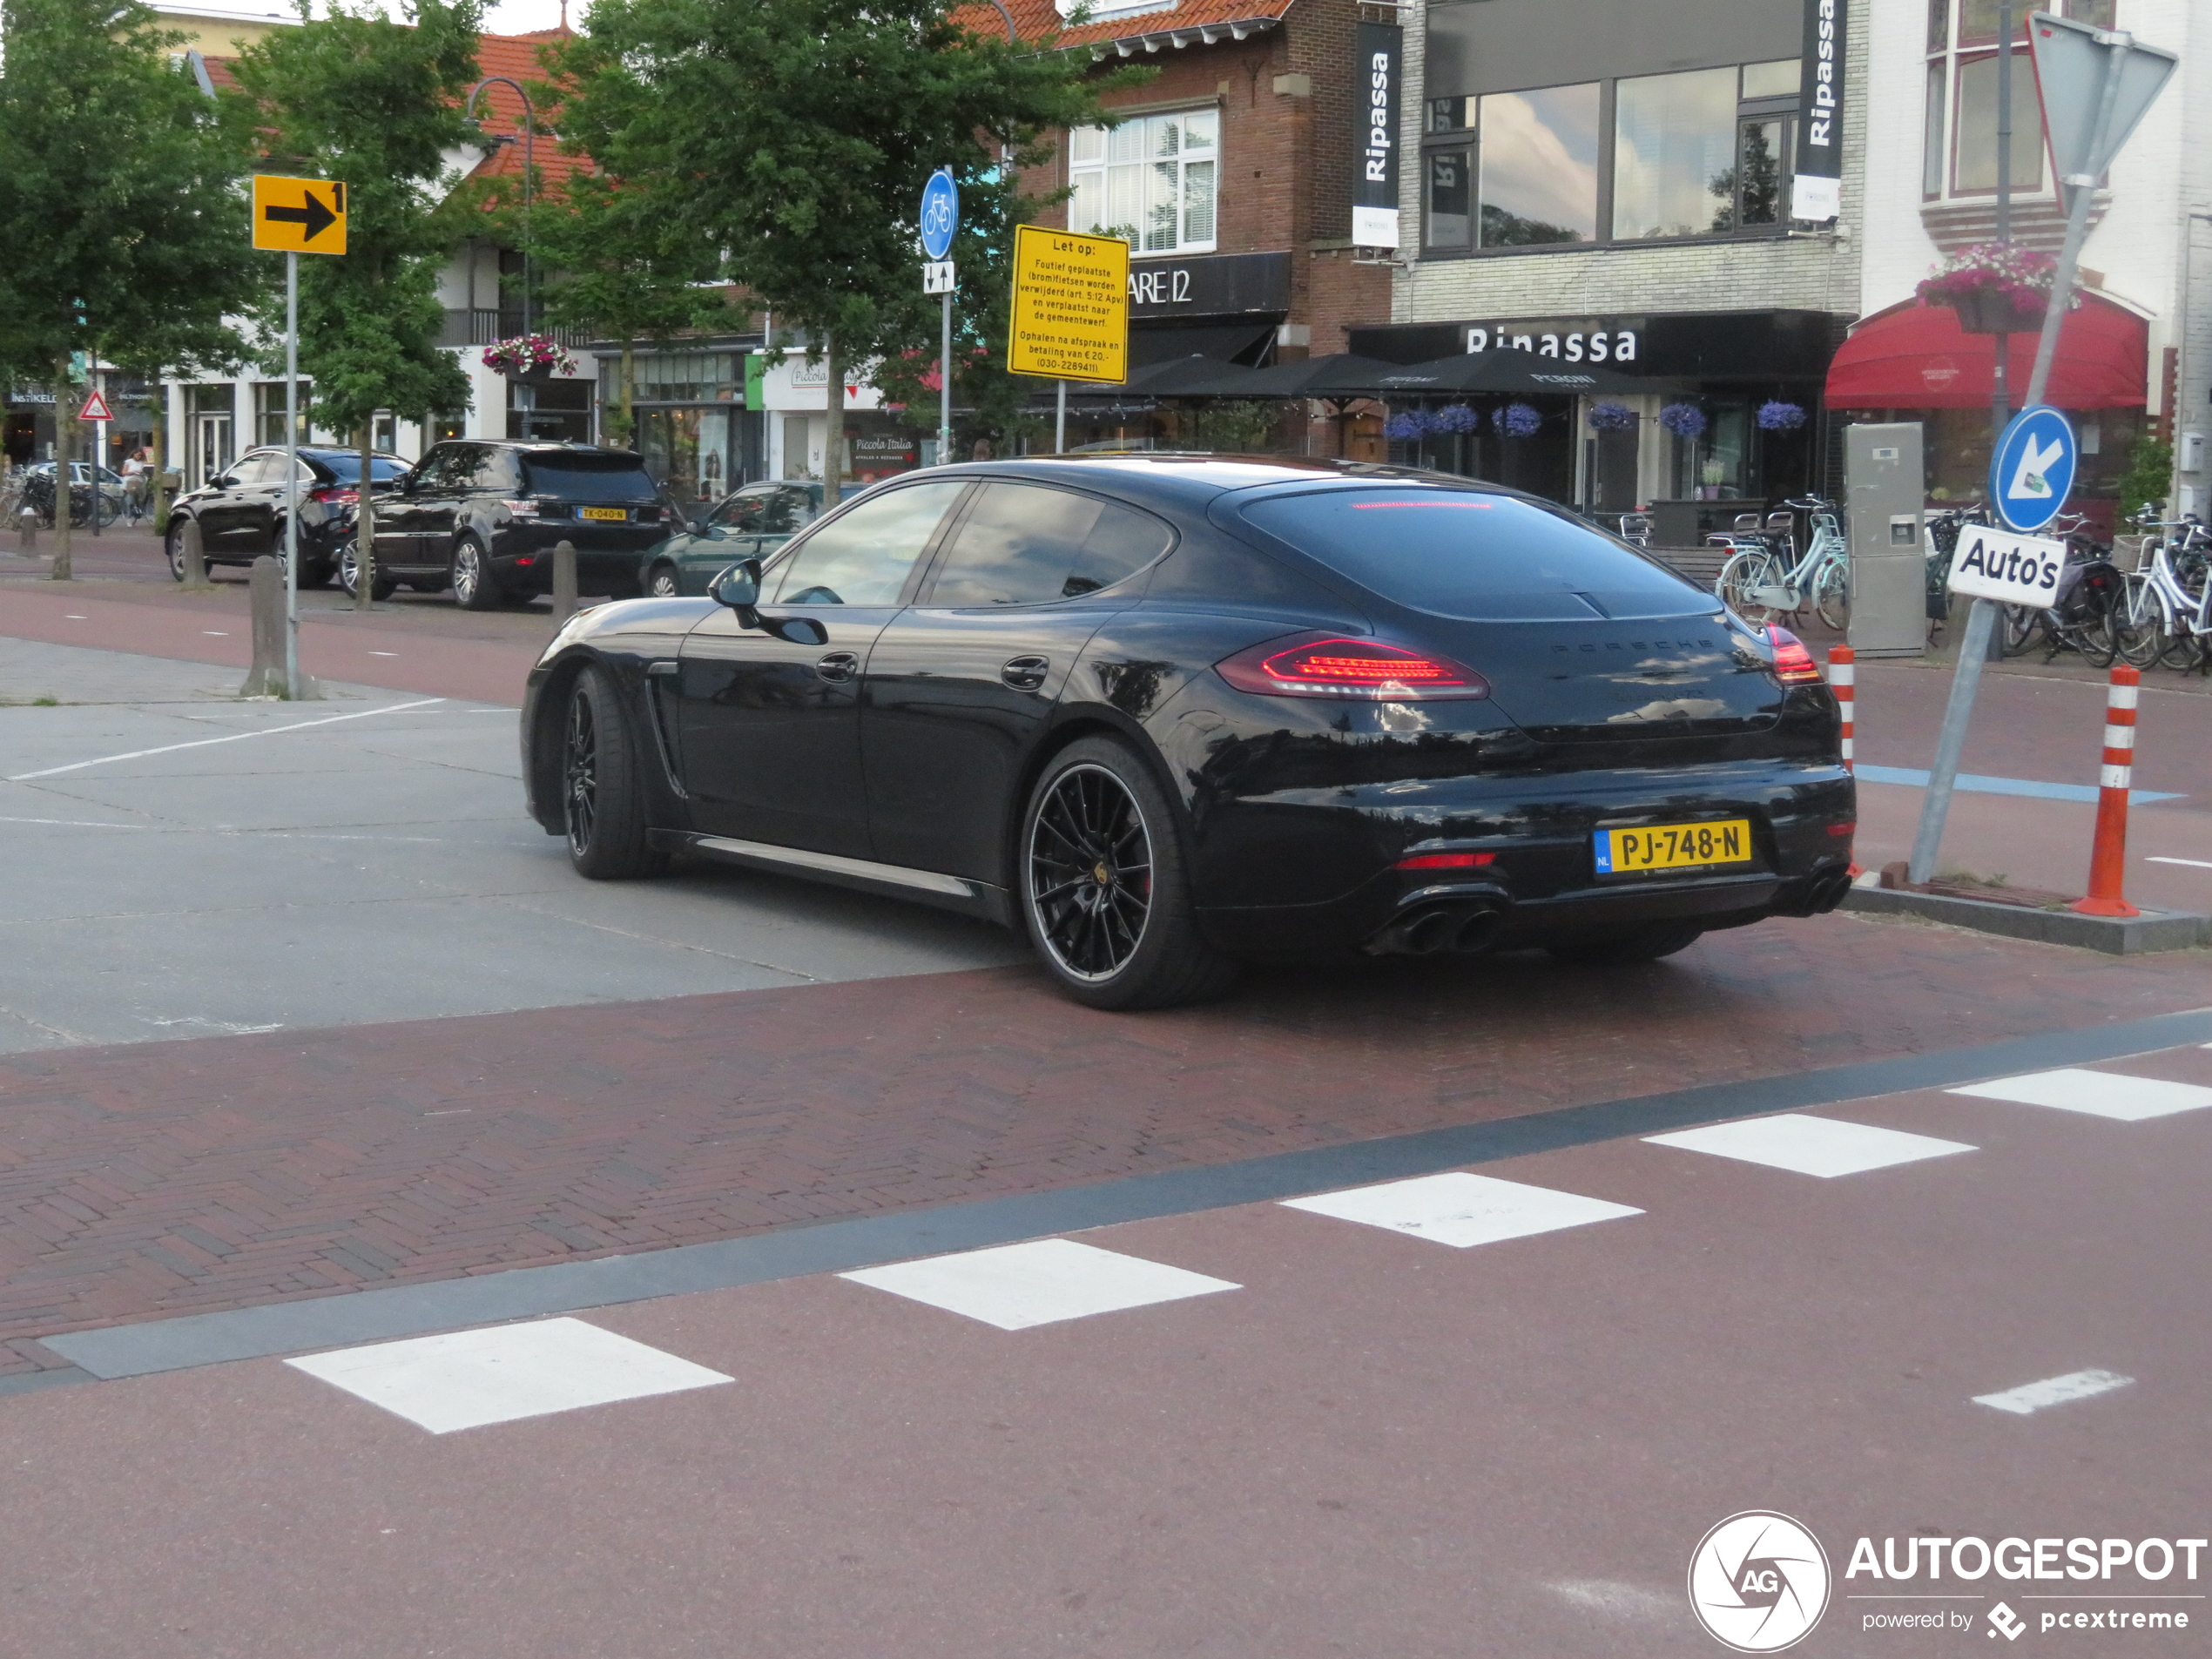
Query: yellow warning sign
point(299, 215)
point(1070, 306)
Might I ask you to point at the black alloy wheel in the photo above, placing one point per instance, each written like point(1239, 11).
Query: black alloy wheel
point(474, 585)
point(1105, 887)
point(603, 806)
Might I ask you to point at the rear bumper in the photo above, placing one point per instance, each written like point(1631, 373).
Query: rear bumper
point(606, 554)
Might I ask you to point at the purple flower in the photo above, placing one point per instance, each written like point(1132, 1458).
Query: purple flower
point(1777, 416)
point(1518, 421)
point(1454, 417)
point(1406, 427)
point(1612, 417)
point(1684, 420)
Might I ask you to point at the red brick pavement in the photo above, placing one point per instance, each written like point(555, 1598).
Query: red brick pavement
point(152, 1179)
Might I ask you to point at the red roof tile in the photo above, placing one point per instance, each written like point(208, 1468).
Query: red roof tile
point(1037, 19)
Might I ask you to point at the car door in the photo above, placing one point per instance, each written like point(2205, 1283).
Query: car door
point(397, 514)
point(222, 511)
point(768, 717)
point(727, 534)
point(960, 686)
point(437, 509)
point(261, 507)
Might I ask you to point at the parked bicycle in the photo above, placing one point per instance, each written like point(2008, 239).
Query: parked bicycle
point(1763, 577)
point(90, 503)
point(2080, 616)
point(2164, 611)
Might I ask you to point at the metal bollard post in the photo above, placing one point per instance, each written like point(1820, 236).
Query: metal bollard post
point(195, 577)
point(27, 530)
point(266, 591)
point(563, 581)
point(2109, 854)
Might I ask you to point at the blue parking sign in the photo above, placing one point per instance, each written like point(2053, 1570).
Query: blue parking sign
point(2033, 468)
point(940, 212)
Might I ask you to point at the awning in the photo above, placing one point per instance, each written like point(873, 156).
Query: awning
point(1913, 356)
point(1506, 369)
point(1242, 343)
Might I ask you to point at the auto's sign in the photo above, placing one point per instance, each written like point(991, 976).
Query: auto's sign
point(2007, 566)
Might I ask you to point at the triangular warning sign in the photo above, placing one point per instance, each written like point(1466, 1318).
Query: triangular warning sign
point(95, 407)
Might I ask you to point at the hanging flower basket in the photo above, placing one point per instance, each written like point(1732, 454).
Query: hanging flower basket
point(1777, 416)
point(1407, 426)
point(1995, 290)
point(1518, 421)
point(531, 359)
point(1454, 417)
point(1684, 420)
point(1612, 417)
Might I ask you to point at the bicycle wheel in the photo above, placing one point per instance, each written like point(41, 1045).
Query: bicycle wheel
point(2139, 624)
point(1831, 595)
point(2019, 628)
point(1745, 571)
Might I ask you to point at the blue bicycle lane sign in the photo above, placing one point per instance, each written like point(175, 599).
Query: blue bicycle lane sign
point(940, 213)
point(2031, 470)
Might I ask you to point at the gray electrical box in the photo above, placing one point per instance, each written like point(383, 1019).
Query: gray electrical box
point(1885, 488)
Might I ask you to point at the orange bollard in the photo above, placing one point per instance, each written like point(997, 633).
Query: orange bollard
point(2108, 857)
point(1843, 678)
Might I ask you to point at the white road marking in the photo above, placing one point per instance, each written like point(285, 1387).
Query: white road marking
point(71, 616)
point(2053, 1390)
point(2100, 1093)
point(1807, 1145)
point(2193, 864)
point(1462, 1209)
point(215, 633)
point(383, 653)
point(75, 823)
point(235, 736)
point(468, 1378)
point(1016, 1287)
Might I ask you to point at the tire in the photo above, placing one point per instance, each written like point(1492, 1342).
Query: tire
point(172, 544)
point(603, 795)
point(1645, 944)
point(2139, 622)
point(1831, 597)
point(665, 584)
point(1742, 572)
point(474, 587)
point(349, 576)
point(1104, 885)
point(2017, 628)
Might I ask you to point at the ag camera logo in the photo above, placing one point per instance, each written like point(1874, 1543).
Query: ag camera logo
point(1758, 1582)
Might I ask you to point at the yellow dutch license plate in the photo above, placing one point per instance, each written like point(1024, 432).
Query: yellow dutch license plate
point(1673, 847)
point(612, 515)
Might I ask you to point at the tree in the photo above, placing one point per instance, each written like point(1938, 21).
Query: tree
point(794, 136)
point(374, 103)
point(120, 206)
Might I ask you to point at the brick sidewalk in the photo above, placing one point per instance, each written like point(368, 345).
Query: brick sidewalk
point(156, 1179)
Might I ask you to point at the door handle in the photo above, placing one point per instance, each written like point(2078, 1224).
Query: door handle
point(838, 666)
point(1026, 674)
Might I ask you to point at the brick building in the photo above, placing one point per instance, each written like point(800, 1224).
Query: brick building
point(1231, 173)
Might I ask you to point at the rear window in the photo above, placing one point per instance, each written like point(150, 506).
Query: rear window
point(1476, 556)
point(588, 478)
point(346, 469)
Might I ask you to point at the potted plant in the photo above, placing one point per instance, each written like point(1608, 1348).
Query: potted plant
point(1995, 289)
point(531, 359)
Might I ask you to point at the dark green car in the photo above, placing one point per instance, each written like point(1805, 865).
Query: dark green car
point(751, 522)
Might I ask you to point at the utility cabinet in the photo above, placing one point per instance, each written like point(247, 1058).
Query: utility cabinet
point(1885, 492)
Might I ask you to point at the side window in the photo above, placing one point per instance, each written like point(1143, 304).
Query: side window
point(783, 511)
point(741, 511)
point(497, 470)
point(863, 557)
point(435, 469)
point(1024, 544)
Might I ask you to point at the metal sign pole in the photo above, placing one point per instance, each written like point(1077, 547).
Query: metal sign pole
point(2084, 186)
point(292, 476)
point(1060, 419)
point(1973, 650)
point(945, 385)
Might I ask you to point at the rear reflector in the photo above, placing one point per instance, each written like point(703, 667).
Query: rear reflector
point(1793, 664)
point(1366, 668)
point(1445, 861)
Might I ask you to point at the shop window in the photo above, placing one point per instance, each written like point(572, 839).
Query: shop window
point(1528, 177)
point(1451, 198)
point(1150, 180)
point(681, 377)
point(1674, 139)
point(1959, 125)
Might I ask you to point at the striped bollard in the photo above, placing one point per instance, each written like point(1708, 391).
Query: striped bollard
point(1843, 678)
point(2108, 857)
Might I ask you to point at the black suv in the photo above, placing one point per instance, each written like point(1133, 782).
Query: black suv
point(241, 510)
point(483, 515)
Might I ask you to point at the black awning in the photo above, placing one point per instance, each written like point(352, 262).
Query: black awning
point(1245, 344)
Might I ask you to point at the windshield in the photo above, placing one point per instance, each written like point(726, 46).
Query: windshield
point(348, 469)
point(1477, 557)
point(580, 477)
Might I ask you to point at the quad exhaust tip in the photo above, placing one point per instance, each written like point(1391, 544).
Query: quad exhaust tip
point(1460, 929)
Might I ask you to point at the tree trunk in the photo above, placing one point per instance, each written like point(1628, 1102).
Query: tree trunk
point(64, 453)
point(628, 395)
point(833, 440)
point(158, 456)
point(365, 526)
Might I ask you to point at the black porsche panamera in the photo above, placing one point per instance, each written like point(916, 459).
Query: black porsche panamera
point(1167, 712)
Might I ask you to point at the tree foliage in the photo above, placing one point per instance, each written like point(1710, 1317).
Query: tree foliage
point(794, 137)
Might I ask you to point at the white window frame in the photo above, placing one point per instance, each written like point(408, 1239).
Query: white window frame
point(1123, 178)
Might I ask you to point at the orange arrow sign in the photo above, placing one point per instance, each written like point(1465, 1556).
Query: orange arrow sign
point(95, 408)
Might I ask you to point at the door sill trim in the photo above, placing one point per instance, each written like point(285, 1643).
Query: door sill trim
point(832, 863)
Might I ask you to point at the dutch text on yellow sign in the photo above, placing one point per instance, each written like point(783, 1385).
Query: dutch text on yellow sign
point(1070, 306)
point(299, 215)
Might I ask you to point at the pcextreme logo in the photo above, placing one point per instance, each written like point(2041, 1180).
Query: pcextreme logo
point(1758, 1582)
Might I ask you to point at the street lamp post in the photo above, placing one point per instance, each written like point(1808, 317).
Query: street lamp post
point(530, 167)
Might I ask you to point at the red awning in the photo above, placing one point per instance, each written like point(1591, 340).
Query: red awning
point(1916, 357)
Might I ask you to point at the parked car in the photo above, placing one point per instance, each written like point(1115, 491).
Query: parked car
point(1165, 712)
point(483, 516)
point(751, 522)
point(38, 491)
point(241, 510)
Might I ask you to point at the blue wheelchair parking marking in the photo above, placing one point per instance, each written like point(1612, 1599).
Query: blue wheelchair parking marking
point(2031, 470)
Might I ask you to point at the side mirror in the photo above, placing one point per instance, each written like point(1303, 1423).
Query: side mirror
point(738, 587)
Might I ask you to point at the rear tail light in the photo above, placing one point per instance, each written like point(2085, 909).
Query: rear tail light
point(1447, 862)
point(522, 509)
point(1364, 668)
point(1793, 664)
point(1841, 829)
point(328, 494)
